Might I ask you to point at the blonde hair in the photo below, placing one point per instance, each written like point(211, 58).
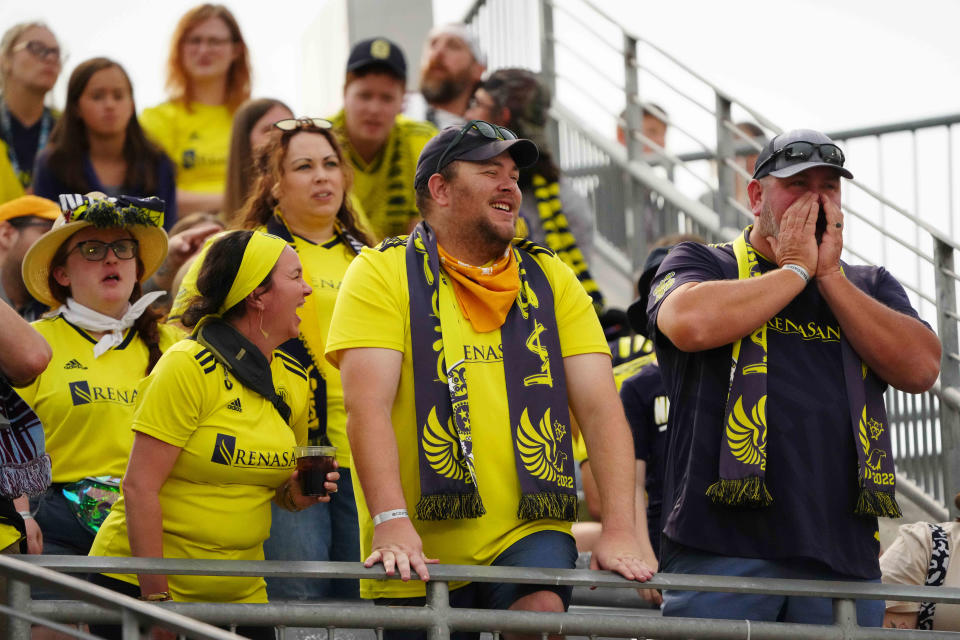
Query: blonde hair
point(10, 38)
point(238, 75)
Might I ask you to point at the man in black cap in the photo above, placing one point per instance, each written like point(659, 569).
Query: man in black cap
point(381, 145)
point(460, 352)
point(775, 355)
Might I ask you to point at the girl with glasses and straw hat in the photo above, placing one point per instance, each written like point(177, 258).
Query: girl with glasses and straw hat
point(88, 268)
point(215, 427)
point(301, 195)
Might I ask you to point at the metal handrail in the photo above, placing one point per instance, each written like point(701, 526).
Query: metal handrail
point(440, 619)
point(20, 572)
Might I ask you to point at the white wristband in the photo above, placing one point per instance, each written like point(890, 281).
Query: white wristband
point(393, 514)
point(797, 269)
point(25, 515)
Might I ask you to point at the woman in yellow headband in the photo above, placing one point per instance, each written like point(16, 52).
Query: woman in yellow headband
point(215, 428)
point(302, 195)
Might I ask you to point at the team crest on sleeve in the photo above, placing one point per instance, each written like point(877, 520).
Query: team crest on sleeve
point(666, 282)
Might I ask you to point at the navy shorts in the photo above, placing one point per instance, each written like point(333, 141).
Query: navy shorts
point(751, 606)
point(546, 549)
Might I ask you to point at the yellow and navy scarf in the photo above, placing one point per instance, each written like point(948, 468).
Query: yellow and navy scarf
point(389, 208)
point(743, 446)
point(559, 238)
point(310, 343)
point(535, 386)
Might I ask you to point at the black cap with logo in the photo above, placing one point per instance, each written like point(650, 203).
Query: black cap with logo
point(378, 51)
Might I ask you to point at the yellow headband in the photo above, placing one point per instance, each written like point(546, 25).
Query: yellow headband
point(261, 254)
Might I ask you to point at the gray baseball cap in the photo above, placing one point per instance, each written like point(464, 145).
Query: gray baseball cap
point(794, 151)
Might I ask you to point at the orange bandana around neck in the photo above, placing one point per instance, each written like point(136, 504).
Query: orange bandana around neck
point(484, 294)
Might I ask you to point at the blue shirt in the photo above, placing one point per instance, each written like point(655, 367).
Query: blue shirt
point(811, 457)
point(48, 185)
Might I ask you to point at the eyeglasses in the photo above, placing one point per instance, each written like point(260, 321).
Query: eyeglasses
point(94, 250)
point(291, 124)
point(487, 130)
point(803, 151)
point(214, 43)
point(39, 50)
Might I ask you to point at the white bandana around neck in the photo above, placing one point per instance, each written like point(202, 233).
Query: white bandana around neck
point(90, 320)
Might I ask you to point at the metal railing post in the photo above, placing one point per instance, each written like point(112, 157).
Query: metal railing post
point(725, 178)
point(845, 614)
point(635, 196)
point(548, 67)
point(943, 268)
point(438, 599)
point(18, 597)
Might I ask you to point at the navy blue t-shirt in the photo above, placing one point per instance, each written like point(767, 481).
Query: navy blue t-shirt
point(811, 460)
point(48, 185)
point(645, 405)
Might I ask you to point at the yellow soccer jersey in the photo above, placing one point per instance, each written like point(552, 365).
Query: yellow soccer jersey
point(385, 186)
point(10, 187)
point(198, 142)
point(8, 535)
point(373, 310)
point(324, 267)
point(235, 451)
point(86, 403)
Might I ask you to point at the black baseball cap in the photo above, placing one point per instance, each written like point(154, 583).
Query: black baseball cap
point(474, 142)
point(379, 51)
point(637, 311)
point(779, 161)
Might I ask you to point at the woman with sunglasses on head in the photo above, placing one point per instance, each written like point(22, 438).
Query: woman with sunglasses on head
point(208, 77)
point(88, 269)
point(300, 196)
point(30, 62)
point(215, 427)
point(98, 145)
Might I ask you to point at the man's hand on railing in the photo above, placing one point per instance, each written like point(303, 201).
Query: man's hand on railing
point(398, 546)
point(620, 551)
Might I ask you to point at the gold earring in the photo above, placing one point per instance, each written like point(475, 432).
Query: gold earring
point(265, 334)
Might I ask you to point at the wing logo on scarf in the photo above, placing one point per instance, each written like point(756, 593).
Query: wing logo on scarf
point(747, 435)
point(540, 448)
point(534, 346)
point(664, 285)
point(442, 449)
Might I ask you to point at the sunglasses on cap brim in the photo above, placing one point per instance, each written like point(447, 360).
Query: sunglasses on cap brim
point(484, 128)
point(802, 151)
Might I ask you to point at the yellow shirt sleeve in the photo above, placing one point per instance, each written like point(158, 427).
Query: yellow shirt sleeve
point(10, 187)
point(370, 307)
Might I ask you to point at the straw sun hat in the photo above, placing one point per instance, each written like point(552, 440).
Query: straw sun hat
point(142, 217)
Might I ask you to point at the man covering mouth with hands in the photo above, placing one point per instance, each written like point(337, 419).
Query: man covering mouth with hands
point(775, 355)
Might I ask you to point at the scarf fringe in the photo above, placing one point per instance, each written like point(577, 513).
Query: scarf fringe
point(740, 492)
point(548, 506)
point(31, 478)
point(877, 503)
point(450, 506)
